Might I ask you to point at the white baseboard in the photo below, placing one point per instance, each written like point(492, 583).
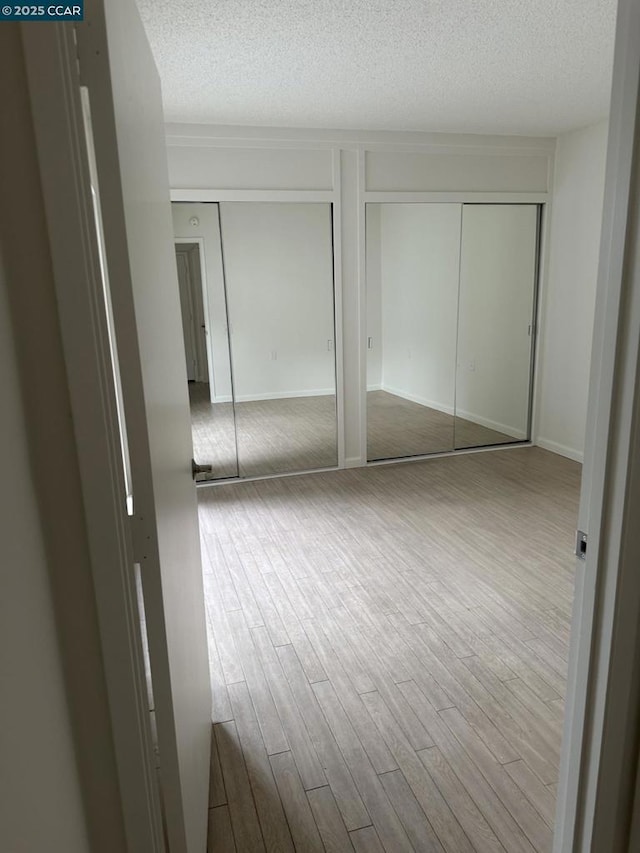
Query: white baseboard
point(560, 449)
point(284, 395)
point(517, 434)
point(223, 398)
point(377, 387)
point(421, 401)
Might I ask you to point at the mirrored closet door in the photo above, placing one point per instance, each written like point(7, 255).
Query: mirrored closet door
point(269, 336)
point(450, 307)
point(412, 303)
point(498, 263)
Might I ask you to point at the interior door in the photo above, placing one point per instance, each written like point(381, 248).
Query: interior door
point(118, 70)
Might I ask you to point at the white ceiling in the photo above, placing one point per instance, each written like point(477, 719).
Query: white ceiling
point(531, 67)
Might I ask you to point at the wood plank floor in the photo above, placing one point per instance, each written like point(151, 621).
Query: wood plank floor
point(388, 655)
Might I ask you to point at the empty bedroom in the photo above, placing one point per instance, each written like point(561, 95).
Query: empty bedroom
point(387, 221)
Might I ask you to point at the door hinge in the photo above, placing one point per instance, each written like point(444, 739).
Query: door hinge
point(581, 545)
point(139, 539)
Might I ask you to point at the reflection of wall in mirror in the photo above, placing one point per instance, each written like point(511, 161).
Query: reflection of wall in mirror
point(278, 261)
point(497, 277)
point(412, 292)
point(208, 230)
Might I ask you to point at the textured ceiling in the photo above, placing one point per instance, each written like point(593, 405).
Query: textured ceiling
point(535, 67)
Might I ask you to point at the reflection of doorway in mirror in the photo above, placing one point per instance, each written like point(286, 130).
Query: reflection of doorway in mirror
point(192, 309)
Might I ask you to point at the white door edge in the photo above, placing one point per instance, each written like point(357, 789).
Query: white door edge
point(602, 674)
point(54, 90)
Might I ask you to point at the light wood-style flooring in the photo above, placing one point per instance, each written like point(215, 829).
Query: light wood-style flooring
point(213, 431)
point(388, 655)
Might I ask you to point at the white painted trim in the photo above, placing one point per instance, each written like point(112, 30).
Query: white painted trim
point(560, 449)
point(353, 462)
point(421, 401)
point(444, 197)
point(362, 302)
point(213, 195)
point(336, 219)
point(283, 395)
point(601, 721)
point(202, 135)
point(520, 435)
point(54, 86)
point(377, 387)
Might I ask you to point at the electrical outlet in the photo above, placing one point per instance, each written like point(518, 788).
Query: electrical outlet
point(274, 355)
point(472, 365)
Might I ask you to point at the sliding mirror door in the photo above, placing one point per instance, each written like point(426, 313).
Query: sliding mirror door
point(412, 255)
point(498, 269)
point(204, 322)
point(278, 265)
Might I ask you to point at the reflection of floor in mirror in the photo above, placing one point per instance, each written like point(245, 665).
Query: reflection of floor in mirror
point(397, 427)
point(294, 434)
point(389, 654)
point(214, 439)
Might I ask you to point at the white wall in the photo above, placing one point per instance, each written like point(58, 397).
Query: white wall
point(567, 315)
point(40, 798)
point(278, 263)
point(420, 250)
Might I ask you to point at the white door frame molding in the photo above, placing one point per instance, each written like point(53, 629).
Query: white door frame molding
point(600, 743)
